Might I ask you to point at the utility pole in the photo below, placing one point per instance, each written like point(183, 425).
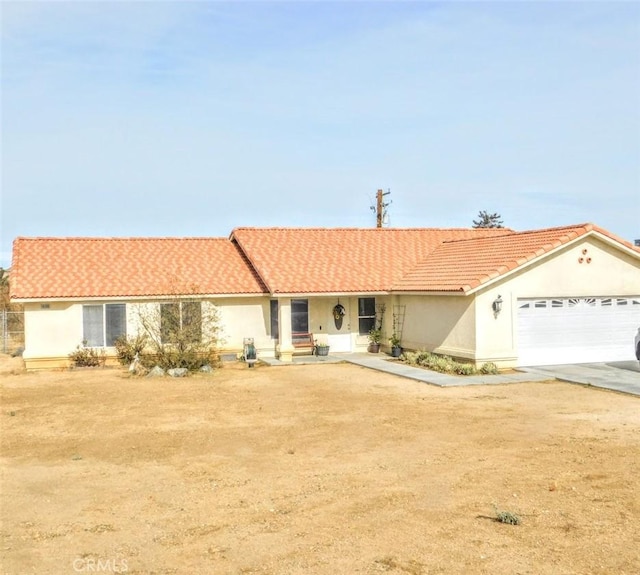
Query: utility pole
point(381, 207)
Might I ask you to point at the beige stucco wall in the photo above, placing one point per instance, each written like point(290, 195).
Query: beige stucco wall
point(610, 272)
point(441, 324)
point(465, 326)
point(347, 338)
point(52, 331)
point(242, 318)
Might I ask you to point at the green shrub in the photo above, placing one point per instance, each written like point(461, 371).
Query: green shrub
point(191, 359)
point(507, 517)
point(181, 332)
point(465, 369)
point(446, 364)
point(128, 347)
point(489, 368)
point(442, 363)
point(84, 356)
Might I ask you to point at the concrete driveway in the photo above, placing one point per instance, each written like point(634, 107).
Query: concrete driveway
point(621, 376)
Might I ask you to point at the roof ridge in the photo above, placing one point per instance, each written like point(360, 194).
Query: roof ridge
point(361, 229)
point(586, 226)
point(119, 238)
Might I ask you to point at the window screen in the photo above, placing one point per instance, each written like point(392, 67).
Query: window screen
point(192, 320)
point(116, 320)
point(366, 314)
point(92, 324)
point(169, 321)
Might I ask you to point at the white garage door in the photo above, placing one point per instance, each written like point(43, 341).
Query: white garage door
point(577, 330)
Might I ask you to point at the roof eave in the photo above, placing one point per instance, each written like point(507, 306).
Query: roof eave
point(132, 298)
point(329, 294)
point(500, 277)
point(453, 292)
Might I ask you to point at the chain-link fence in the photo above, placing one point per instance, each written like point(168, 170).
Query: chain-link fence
point(11, 331)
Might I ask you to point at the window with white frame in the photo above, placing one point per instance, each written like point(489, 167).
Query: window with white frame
point(102, 324)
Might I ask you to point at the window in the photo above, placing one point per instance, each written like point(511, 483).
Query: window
point(366, 314)
point(181, 320)
point(103, 323)
point(169, 321)
point(275, 328)
point(299, 316)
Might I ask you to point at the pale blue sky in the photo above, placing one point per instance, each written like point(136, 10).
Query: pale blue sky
point(192, 118)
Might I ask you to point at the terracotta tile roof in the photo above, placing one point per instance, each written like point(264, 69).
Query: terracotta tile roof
point(464, 265)
point(117, 267)
point(342, 260)
point(280, 260)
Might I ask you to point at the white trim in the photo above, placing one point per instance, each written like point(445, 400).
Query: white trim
point(132, 299)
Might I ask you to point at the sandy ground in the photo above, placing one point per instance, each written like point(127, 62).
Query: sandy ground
point(322, 469)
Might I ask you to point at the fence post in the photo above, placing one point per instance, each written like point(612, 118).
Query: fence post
point(5, 335)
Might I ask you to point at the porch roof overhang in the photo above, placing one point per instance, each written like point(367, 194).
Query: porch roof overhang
point(328, 294)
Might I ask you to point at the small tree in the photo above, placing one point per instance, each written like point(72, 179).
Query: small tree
point(5, 302)
point(180, 331)
point(487, 220)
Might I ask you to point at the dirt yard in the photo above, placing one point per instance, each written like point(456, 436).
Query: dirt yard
point(325, 469)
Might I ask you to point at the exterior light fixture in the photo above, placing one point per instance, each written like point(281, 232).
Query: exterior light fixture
point(497, 306)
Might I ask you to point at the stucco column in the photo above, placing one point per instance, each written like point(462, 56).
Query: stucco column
point(284, 348)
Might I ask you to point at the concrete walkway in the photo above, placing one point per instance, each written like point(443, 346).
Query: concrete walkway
point(622, 376)
point(383, 362)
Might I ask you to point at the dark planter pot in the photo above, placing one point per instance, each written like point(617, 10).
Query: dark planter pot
point(374, 347)
point(322, 350)
point(396, 351)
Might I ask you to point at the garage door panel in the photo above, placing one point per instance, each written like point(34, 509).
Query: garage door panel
point(577, 330)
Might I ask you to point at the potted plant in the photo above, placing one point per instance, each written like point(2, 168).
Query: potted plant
point(375, 337)
point(321, 347)
point(394, 342)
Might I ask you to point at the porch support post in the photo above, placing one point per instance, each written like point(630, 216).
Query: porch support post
point(284, 349)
